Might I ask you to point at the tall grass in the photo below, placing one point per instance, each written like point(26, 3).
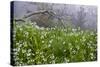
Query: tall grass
point(38, 45)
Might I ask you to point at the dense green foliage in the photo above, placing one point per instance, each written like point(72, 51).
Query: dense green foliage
point(38, 45)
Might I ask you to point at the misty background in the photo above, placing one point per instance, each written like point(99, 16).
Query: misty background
point(61, 15)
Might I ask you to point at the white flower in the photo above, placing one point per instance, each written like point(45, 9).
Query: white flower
point(14, 49)
point(64, 50)
point(42, 28)
point(20, 45)
point(37, 52)
point(89, 44)
point(41, 53)
point(49, 45)
point(71, 34)
point(33, 54)
point(66, 60)
point(92, 57)
point(91, 33)
point(74, 51)
point(64, 42)
point(74, 30)
point(52, 56)
point(23, 51)
point(51, 41)
point(15, 53)
point(42, 56)
point(42, 41)
point(29, 50)
point(65, 30)
point(28, 54)
point(20, 29)
point(37, 27)
point(42, 37)
point(17, 43)
point(91, 54)
point(26, 33)
point(44, 59)
point(45, 33)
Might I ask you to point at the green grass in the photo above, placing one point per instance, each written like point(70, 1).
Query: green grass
point(35, 45)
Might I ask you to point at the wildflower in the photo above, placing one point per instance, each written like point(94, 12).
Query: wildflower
point(45, 33)
point(15, 53)
point(53, 36)
point(92, 57)
point(14, 49)
point(20, 29)
point(23, 51)
point(17, 43)
point(74, 30)
point(41, 28)
point(42, 37)
point(51, 41)
point(33, 54)
point(49, 45)
point(37, 27)
point(20, 45)
point(66, 60)
point(26, 33)
point(91, 33)
point(64, 42)
point(53, 61)
point(89, 44)
point(37, 52)
point(64, 50)
point(42, 41)
point(28, 54)
point(42, 56)
point(25, 45)
point(44, 59)
point(52, 56)
point(91, 54)
point(74, 51)
point(29, 50)
point(18, 49)
point(41, 53)
point(65, 30)
point(70, 48)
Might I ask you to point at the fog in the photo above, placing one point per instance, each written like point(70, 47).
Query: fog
point(69, 14)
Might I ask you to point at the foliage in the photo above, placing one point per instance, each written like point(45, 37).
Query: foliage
point(39, 45)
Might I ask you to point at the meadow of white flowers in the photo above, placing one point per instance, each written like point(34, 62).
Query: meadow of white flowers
point(39, 45)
